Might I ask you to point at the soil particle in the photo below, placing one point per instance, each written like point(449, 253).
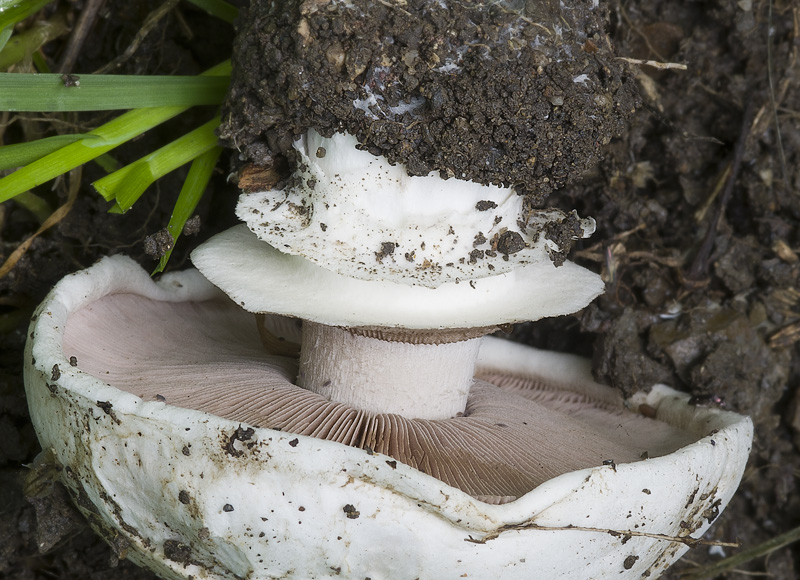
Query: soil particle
point(722, 354)
point(242, 435)
point(159, 244)
point(621, 358)
point(629, 562)
point(510, 242)
point(564, 234)
point(192, 226)
point(387, 249)
point(480, 91)
point(56, 518)
point(108, 409)
point(178, 551)
point(351, 512)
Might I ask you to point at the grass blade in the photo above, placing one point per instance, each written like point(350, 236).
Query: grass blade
point(4, 36)
point(20, 154)
point(745, 556)
point(108, 163)
point(47, 92)
point(112, 134)
point(129, 183)
point(34, 204)
point(18, 11)
point(191, 192)
point(25, 44)
point(218, 8)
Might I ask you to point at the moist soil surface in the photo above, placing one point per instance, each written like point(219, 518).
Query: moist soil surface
point(697, 202)
point(519, 94)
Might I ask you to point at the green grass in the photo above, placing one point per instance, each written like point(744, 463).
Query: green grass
point(193, 188)
point(148, 100)
point(50, 93)
point(20, 154)
point(14, 12)
point(126, 185)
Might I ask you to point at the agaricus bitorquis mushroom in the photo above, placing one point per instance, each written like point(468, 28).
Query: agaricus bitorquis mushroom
point(376, 440)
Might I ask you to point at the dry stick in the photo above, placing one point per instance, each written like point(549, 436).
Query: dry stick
point(654, 63)
point(781, 153)
point(149, 24)
point(698, 270)
point(55, 217)
point(635, 29)
point(79, 34)
point(687, 540)
point(731, 562)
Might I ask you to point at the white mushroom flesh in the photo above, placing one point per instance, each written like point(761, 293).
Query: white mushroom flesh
point(417, 381)
point(354, 213)
point(263, 280)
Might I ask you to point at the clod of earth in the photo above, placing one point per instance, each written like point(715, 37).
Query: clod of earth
point(512, 93)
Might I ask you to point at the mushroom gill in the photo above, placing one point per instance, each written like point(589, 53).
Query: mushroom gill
point(514, 434)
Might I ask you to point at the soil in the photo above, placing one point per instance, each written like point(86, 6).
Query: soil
point(475, 90)
point(703, 277)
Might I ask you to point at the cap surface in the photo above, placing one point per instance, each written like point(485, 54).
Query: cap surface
point(354, 213)
point(261, 279)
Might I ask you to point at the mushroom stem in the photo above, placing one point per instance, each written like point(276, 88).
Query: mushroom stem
point(386, 372)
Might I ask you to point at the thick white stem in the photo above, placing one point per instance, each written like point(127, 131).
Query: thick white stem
point(418, 381)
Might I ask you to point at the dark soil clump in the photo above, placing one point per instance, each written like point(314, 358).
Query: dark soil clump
point(509, 93)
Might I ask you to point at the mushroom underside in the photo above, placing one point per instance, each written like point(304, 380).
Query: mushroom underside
point(516, 432)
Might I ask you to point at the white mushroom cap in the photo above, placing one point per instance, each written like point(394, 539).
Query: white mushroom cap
point(354, 213)
point(187, 493)
point(261, 279)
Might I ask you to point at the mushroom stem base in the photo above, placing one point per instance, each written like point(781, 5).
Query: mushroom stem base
point(418, 381)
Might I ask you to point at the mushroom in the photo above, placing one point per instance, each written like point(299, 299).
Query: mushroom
point(386, 436)
point(147, 395)
point(382, 332)
point(515, 463)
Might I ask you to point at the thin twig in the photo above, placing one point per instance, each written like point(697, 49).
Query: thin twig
point(149, 24)
point(654, 63)
point(55, 217)
point(732, 562)
point(395, 6)
point(635, 29)
point(687, 540)
point(79, 35)
point(772, 96)
point(698, 270)
point(723, 179)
